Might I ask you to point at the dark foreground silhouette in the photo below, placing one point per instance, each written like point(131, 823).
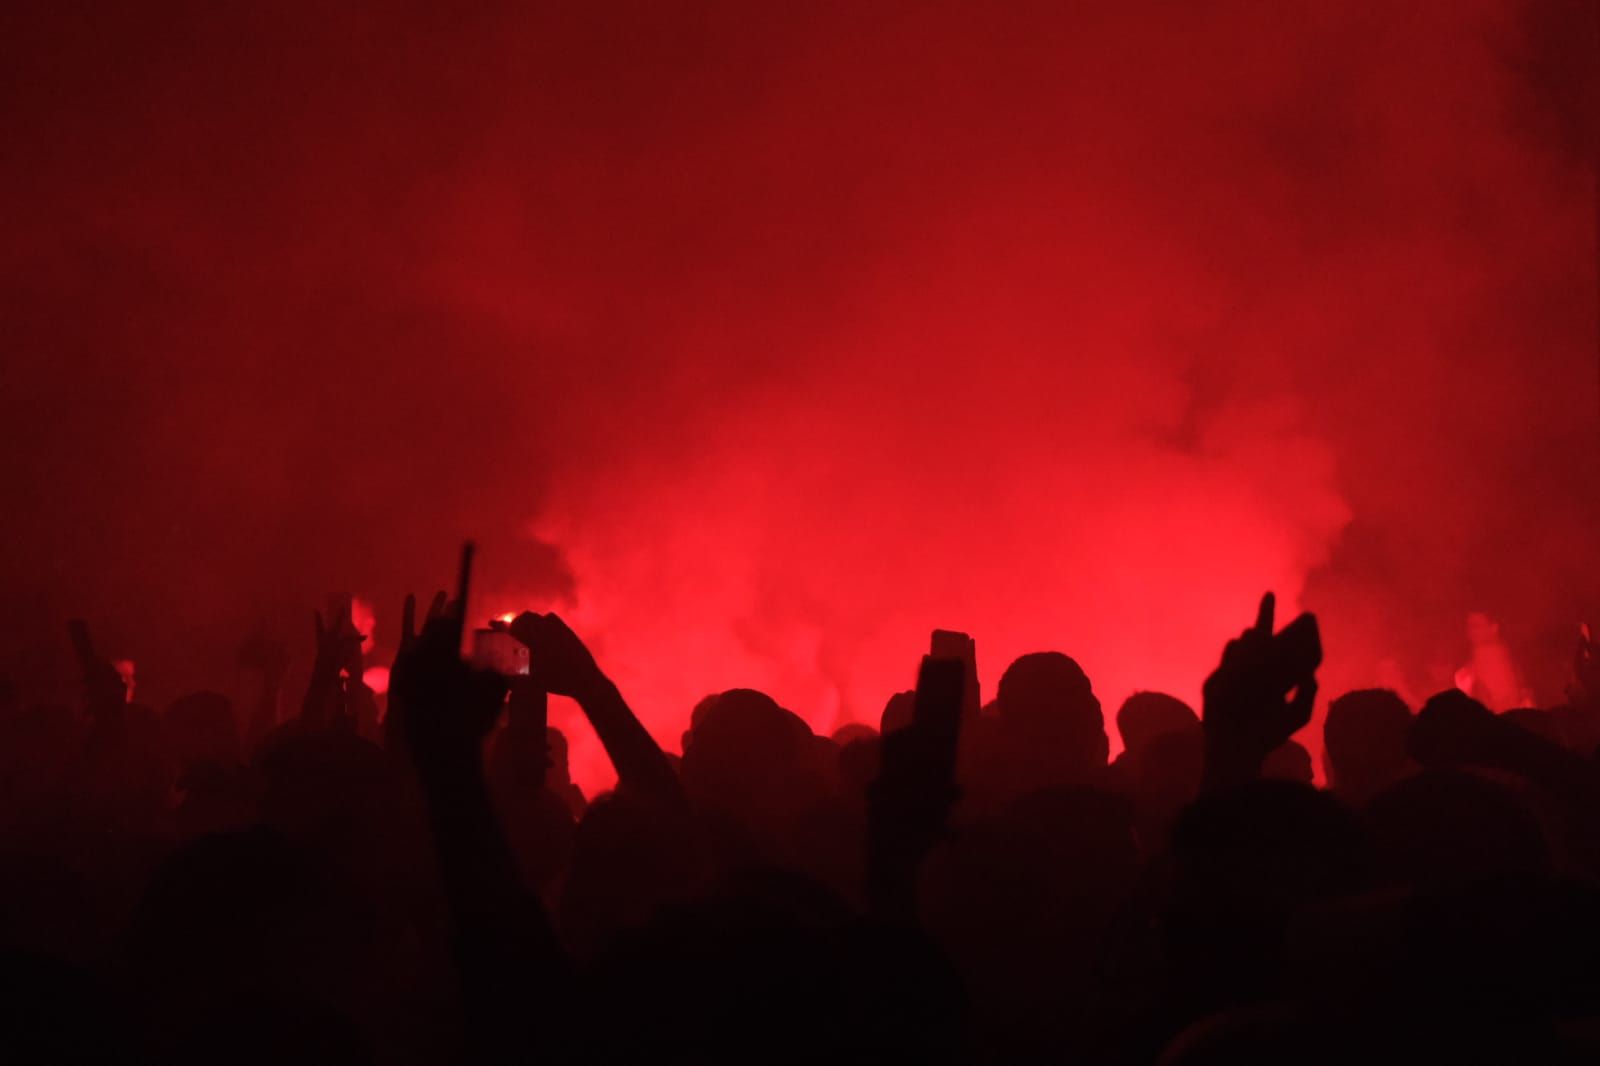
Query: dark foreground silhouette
point(422, 882)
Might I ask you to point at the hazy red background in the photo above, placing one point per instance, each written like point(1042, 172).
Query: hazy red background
point(790, 335)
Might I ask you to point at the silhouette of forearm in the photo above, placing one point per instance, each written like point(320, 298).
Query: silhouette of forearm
point(907, 815)
point(527, 725)
point(641, 765)
point(506, 954)
point(908, 806)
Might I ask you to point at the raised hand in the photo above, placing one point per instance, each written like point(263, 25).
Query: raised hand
point(506, 956)
point(560, 663)
point(393, 738)
point(408, 618)
point(1261, 693)
point(1453, 729)
point(558, 660)
point(443, 707)
point(338, 644)
point(338, 653)
point(103, 684)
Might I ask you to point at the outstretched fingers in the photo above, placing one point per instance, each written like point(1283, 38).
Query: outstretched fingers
point(408, 620)
point(437, 606)
point(1264, 614)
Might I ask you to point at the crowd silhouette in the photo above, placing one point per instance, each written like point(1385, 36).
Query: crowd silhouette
point(417, 878)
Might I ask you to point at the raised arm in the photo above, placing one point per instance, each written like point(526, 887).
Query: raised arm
point(559, 663)
point(506, 955)
point(909, 804)
point(1258, 696)
point(338, 651)
point(105, 692)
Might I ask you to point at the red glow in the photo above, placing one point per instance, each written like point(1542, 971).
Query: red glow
point(758, 344)
point(376, 678)
point(832, 620)
point(126, 668)
point(365, 618)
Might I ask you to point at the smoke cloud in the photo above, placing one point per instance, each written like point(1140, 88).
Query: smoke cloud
point(759, 343)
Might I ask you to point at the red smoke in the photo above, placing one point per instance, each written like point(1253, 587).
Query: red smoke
point(761, 343)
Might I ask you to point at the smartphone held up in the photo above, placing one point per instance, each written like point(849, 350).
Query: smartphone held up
point(494, 648)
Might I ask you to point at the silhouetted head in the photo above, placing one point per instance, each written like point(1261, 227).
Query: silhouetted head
point(1144, 716)
point(747, 758)
point(858, 757)
point(1453, 729)
point(1289, 761)
point(1046, 697)
point(1166, 779)
point(1173, 764)
point(1024, 901)
point(859, 762)
point(897, 712)
point(629, 858)
point(1044, 683)
point(851, 732)
point(555, 746)
point(39, 739)
point(1450, 827)
point(348, 799)
point(1045, 871)
point(1539, 722)
point(1244, 862)
point(1364, 742)
point(200, 727)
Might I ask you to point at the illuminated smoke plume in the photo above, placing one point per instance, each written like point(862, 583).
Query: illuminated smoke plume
point(760, 343)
